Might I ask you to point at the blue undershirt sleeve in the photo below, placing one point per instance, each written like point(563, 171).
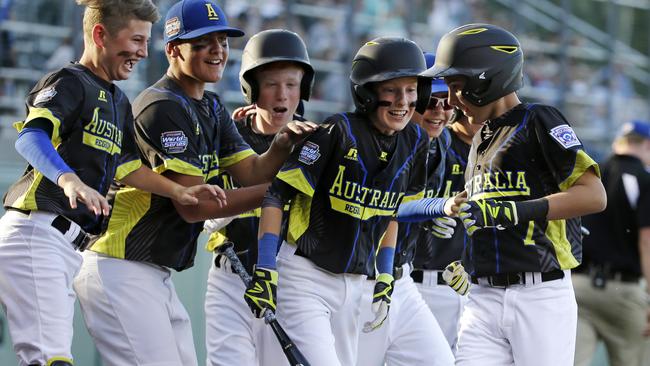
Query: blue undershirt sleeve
point(35, 146)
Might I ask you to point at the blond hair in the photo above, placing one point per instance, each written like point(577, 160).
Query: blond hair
point(115, 14)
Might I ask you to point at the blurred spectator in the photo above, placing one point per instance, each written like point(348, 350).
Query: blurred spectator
point(612, 304)
point(63, 55)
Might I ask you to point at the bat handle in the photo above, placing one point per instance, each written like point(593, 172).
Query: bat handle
point(228, 249)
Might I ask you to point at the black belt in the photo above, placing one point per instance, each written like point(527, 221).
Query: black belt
point(418, 276)
point(63, 225)
point(398, 273)
point(504, 280)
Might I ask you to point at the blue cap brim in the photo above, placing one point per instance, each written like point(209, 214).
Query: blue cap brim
point(439, 88)
point(230, 32)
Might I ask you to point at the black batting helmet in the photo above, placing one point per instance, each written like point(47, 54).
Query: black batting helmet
point(489, 56)
point(269, 46)
point(383, 59)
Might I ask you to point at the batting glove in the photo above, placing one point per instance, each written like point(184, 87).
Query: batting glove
point(483, 214)
point(441, 227)
point(212, 225)
point(380, 301)
point(456, 277)
point(261, 291)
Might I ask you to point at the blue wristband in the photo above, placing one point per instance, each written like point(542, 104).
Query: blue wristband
point(267, 248)
point(35, 146)
point(384, 260)
point(421, 210)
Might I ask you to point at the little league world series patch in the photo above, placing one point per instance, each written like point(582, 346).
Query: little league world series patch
point(45, 95)
point(173, 142)
point(565, 136)
point(309, 153)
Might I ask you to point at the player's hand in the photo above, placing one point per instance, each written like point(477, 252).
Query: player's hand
point(260, 294)
point(192, 195)
point(212, 225)
point(456, 277)
point(243, 112)
point(482, 214)
point(441, 227)
point(75, 190)
point(293, 133)
point(452, 205)
point(380, 301)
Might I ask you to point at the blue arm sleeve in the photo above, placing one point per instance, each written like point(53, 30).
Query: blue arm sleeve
point(35, 146)
point(267, 248)
point(421, 210)
point(384, 261)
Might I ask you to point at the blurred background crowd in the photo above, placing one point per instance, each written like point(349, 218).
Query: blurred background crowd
point(590, 58)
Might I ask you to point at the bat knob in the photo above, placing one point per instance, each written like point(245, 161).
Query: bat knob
point(223, 247)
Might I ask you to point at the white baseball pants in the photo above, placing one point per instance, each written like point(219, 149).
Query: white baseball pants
point(445, 304)
point(37, 267)
point(133, 313)
point(531, 325)
point(410, 336)
point(233, 336)
point(319, 309)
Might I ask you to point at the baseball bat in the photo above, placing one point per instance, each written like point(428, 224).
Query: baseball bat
point(295, 357)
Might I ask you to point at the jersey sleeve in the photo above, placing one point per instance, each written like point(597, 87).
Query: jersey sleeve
point(561, 148)
point(165, 136)
point(232, 147)
point(307, 162)
point(57, 98)
point(129, 160)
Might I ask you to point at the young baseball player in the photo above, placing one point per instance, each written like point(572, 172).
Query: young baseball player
point(344, 184)
point(528, 179)
point(410, 334)
point(77, 137)
point(125, 288)
point(275, 75)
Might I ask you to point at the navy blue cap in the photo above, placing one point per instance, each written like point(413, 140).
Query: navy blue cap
point(640, 128)
point(437, 85)
point(189, 19)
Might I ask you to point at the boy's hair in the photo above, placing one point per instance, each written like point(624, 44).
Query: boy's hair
point(115, 14)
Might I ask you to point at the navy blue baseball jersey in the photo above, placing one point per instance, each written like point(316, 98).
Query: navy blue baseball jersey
point(92, 130)
point(180, 134)
point(348, 181)
point(435, 253)
point(527, 153)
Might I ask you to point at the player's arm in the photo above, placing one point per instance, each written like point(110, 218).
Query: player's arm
point(384, 280)
point(261, 292)
point(258, 169)
point(147, 180)
point(586, 196)
point(236, 202)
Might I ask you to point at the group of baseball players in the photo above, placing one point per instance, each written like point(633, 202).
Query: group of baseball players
point(362, 233)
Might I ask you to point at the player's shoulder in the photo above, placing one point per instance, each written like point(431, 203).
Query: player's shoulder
point(544, 115)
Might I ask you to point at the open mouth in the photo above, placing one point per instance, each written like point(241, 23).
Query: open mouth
point(130, 64)
point(213, 62)
point(280, 110)
point(435, 122)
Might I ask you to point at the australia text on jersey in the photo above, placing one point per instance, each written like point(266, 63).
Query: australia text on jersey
point(351, 198)
point(102, 134)
point(498, 184)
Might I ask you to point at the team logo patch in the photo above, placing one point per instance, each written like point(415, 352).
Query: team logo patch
point(565, 136)
point(309, 153)
point(174, 142)
point(45, 95)
point(172, 27)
